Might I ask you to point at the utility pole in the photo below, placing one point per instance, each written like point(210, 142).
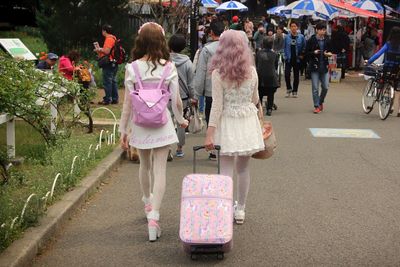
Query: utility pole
point(194, 16)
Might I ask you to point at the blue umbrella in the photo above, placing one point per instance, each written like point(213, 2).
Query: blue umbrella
point(232, 5)
point(209, 3)
point(369, 5)
point(315, 8)
point(276, 10)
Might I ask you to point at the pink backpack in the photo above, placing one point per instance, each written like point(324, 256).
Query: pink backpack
point(149, 103)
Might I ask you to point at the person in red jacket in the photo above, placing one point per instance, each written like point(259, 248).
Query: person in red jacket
point(67, 64)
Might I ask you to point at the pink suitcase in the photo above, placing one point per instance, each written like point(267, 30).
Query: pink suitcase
point(206, 212)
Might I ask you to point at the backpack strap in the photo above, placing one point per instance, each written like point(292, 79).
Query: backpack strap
point(165, 73)
point(137, 74)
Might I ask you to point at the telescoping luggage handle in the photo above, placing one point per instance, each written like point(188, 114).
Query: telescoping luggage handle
point(196, 148)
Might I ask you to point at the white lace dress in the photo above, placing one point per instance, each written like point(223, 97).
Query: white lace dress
point(234, 115)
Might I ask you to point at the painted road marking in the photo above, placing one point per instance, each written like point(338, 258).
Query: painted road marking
point(343, 133)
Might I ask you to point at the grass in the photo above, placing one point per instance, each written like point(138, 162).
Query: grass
point(37, 173)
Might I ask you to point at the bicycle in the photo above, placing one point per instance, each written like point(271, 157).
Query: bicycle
point(380, 88)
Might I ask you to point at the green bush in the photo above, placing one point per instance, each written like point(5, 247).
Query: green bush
point(37, 177)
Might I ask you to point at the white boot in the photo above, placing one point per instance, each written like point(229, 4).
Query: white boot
point(154, 228)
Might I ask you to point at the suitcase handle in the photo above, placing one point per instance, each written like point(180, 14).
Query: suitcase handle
point(197, 148)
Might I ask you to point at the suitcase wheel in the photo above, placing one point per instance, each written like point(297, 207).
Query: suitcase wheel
point(193, 256)
point(220, 256)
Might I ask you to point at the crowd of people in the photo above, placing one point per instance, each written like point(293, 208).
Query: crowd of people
point(234, 68)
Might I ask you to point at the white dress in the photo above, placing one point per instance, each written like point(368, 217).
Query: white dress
point(234, 115)
point(147, 138)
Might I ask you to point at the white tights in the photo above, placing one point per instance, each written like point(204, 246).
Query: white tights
point(153, 162)
point(242, 172)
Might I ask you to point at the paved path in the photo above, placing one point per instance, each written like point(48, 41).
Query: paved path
point(318, 201)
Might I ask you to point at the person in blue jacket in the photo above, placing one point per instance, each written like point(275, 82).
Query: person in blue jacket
point(391, 52)
point(295, 45)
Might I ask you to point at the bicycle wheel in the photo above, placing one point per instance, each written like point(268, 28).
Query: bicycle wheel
point(386, 101)
point(368, 96)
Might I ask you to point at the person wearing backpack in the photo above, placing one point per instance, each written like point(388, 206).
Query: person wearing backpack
point(110, 68)
point(184, 67)
point(151, 81)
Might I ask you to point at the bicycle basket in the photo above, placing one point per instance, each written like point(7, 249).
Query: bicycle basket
point(370, 71)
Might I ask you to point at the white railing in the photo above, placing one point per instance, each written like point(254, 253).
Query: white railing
point(6, 118)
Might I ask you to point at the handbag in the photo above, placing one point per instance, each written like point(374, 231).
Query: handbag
point(270, 143)
point(196, 124)
point(104, 61)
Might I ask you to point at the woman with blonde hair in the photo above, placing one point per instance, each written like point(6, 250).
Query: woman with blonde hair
point(150, 66)
point(234, 123)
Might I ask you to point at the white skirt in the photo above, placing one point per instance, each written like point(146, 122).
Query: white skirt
point(148, 138)
point(240, 136)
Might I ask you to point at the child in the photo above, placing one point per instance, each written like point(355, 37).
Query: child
point(151, 57)
point(185, 76)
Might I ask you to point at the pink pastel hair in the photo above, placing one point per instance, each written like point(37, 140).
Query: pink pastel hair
point(233, 58)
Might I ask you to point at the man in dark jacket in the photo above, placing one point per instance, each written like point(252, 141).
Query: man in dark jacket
point(266, 64)
point(340, 46)
point(318, 50)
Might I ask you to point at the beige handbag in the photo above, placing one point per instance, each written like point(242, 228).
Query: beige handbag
point(196, 124)
point(268, 135)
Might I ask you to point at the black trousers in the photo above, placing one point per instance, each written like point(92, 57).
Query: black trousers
point(269, 92)
point(296, 76)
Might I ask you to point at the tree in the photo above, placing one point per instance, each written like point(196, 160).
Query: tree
point(76, 24)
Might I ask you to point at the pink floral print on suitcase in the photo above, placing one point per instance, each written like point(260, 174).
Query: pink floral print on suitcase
point(206, 209)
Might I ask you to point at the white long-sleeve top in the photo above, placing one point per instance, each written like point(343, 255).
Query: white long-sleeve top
point(146, 138)
point(231, 100)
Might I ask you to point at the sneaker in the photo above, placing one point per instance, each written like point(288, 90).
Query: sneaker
point(317, 110)
point(212, 156)
point(294, 94)
point(170, 157)
point(179, 154)
point(288, 92)
point(274, 107)
point(321, 107)
point(154, 230)
point(239, 213)
point(269, 112)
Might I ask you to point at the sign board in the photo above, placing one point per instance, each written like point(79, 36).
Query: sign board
point(17, 49)
point(343, 133)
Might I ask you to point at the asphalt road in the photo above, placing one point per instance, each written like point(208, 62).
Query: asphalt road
point(317, 201)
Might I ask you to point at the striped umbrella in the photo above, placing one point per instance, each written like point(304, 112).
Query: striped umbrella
point(276, 10)
point(209, 3)
point(316, 8)
point(232, 5)
point(369, 5)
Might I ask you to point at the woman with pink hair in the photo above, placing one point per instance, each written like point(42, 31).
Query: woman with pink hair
point(234, 123)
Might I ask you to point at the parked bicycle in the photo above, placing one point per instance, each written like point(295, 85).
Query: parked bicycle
point(379, 89)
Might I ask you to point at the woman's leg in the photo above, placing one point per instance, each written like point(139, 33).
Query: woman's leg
point(144, 172)
point(227, 164)
point(159, 169)
point(243, 179)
